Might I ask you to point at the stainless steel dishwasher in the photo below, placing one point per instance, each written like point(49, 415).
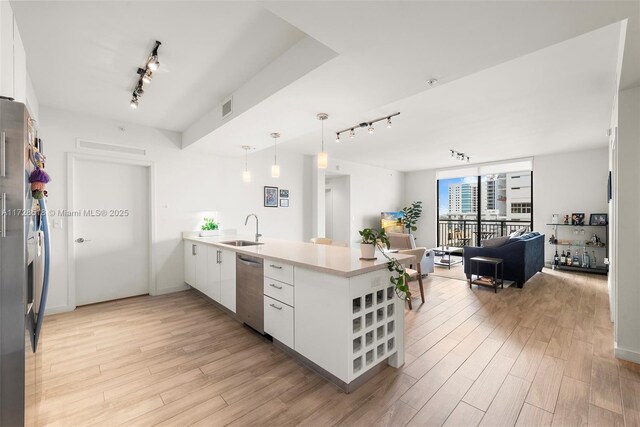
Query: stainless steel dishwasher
point(249, 291)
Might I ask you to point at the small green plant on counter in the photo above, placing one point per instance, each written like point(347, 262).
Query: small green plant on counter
point(209, 224)
point(412, 214)
point(399, 276)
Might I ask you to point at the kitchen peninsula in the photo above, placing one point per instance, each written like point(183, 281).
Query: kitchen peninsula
point(321, 304)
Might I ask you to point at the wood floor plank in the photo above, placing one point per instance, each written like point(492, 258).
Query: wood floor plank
point(599, 417)
point(605, 385)
point(398, 415)
point(532, 416)
point(579, 362)
point(464, 415)
point(546, 384)
point(631, 401)
point(572, 408)
point(544, 330)
point(529, 359)
point(481, 357)
point(506, 406)
point(428, 385)
point(560, 343)
point(436, 411)
point(516, 342)
point(488, 383)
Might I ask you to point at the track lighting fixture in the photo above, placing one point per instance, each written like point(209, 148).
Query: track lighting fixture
point(367, 125)
point(275, 169)
point(246, 174)
point(459, 156)
point(146, 75)
point(323, 158)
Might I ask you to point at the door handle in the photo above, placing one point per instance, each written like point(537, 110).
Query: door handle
point(82, 240)
point(275, 306)
point(275, 286)
point(279, 267)
point(3, 233)
point(3, 152)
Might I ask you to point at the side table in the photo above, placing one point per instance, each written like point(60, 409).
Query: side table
point(487, 260)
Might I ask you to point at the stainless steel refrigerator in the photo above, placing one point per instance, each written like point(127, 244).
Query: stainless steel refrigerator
point(19, 226)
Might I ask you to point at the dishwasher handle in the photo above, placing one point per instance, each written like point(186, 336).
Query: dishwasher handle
point(250, 262)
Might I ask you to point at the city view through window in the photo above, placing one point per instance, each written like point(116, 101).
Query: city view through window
point(503, 204)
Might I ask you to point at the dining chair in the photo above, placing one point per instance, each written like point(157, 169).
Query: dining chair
point(418, 253)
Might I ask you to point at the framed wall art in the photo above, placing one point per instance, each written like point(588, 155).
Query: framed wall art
point(270, 197)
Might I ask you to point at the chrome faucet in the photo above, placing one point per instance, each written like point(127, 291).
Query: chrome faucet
point(247, 220)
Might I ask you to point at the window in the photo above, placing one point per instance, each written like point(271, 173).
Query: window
point(520, 208)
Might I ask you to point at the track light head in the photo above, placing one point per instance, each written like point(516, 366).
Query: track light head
point(388, 122)
point(371, 129)
point(146, 78)
point(153, 63)
point(338, 138)
point(134, 103)
point(352, 134)
point(138, 92)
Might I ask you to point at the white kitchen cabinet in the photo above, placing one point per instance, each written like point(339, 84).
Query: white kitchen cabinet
point(278, 321)
point(195, 265)
point(213, 273)
point(228, 279)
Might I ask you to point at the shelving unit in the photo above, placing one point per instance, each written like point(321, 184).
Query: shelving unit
point(601, 267)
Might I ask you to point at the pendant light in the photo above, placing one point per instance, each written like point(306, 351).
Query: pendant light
point(246, 174)
point(275, 169)
point(323, 159)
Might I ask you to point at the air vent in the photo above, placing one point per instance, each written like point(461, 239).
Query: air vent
point(227, 108)
point(112, 148)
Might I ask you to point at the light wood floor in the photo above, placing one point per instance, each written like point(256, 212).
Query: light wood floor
point(536, 356)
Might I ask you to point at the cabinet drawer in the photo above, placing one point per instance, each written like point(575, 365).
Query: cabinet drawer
point(279, 271)
point(278, 321)
point(278, 290)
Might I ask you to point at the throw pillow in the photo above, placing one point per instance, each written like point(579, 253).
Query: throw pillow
point(518, 232)
point(494, 243)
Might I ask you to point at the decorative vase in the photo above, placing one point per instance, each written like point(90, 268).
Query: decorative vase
point(367, 250)
point(209, 233)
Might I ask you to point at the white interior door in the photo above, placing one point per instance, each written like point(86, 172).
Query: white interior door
point(111, 230)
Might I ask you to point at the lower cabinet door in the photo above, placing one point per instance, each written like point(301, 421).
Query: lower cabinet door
point(278, 321)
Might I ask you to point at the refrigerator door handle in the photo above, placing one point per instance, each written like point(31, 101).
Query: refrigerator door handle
point(3, 233)
point(3, 152)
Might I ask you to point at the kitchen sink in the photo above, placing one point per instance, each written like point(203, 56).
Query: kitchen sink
point(241, 243)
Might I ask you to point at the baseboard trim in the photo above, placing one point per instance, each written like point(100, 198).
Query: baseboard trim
point(171, 290)
point(59, 309)
point(624, 354)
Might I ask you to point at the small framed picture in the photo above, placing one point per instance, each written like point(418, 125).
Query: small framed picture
point(284, 203)
point(599, 219)
point(270, 197)
point(284, 194)
point(577, 219)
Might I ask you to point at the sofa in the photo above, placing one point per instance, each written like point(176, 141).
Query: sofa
point(407, 241)
point(523, 257)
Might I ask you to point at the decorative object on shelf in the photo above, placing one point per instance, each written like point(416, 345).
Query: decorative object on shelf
point(399, 277)
point(459, 156)
point(275, 169)
point(365, 125)
point(323, 158)
point(553, 240)
point(284, 203)
point(145, 74)
point(370, 237)
point(412, 214)
point(555, 218)
point(209, 228)
point(246, 173)
point(595, 241)
point(599, 219)
point(566, 219)
point(39, 177)
point(284, 194)
point(270, 197)
point(577, 219)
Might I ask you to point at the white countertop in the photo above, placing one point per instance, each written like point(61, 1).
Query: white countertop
point(336, 260)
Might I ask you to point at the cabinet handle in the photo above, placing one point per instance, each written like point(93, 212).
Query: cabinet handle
point(279, 267)
point(3, 153)
point(218, 257)
point(275, 306)
point(194, 250)
point(3, 233)
point(275, 286)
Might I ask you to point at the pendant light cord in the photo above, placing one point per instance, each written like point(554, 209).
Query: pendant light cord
point(322, 134)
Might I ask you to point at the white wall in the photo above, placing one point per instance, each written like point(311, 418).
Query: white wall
point(188, 186)
point(565, 183)
point(421, 186)
point(372, 190)
point(627, 198)
point(340, 207)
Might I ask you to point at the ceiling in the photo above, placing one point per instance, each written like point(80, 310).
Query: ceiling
point(83, 56)
point(515, 78)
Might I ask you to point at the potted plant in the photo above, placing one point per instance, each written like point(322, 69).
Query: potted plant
point(209, 228)
point(372, 238)
point(412, 214)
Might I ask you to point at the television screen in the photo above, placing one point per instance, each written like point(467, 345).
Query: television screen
point(392, 222)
